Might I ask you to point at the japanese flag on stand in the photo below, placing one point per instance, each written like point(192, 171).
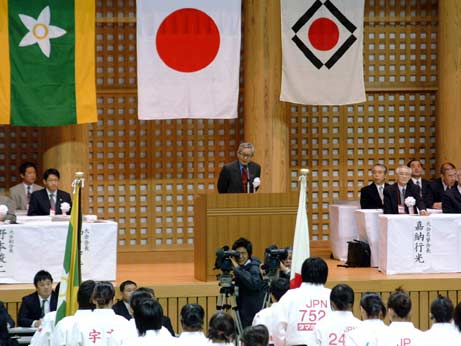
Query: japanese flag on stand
point(322, 59)
point(188, 54)
point(301, 249)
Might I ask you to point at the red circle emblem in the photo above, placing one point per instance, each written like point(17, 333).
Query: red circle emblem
point(323, 34)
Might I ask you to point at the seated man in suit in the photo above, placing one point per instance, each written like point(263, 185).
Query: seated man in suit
point(451, 199)
point(395, 195)
point(21, 192)
point(239, 176)
point(372, 196)
point(446, 181)
point(48, 201)
point(36, 305)
point(424, 185)
point(122, 307)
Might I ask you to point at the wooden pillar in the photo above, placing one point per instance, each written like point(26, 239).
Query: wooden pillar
point(265, 117)
point(66, 149)
point(448, 138)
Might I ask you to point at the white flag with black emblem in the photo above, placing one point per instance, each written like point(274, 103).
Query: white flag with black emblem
point(322, 52)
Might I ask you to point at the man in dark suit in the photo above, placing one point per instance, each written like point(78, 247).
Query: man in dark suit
point(396, 194)
point(451, 199)
point(446, 181)
point(5, 322)
point(242, 175)
point(372, 196)
point(36, 305)
point(424, 185)
point(48, 200)
point(122, 306)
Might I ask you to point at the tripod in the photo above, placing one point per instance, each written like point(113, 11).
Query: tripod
point(227, 301)
point(267, 295)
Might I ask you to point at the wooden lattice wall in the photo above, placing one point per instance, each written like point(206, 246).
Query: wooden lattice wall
point(145, 175)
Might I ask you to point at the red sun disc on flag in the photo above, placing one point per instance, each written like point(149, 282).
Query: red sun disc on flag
point(188, 40)
point(323, 34)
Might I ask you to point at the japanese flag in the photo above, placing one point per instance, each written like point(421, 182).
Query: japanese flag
point(188, 55)
point(322, 59)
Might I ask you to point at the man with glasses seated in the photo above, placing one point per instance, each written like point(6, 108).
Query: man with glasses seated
point(401, 197)
point(242, 175)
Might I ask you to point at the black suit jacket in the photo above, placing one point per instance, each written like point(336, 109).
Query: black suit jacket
point(31, 310)
point(369, 197)
point(5, 320)
point(230, 178)
point(392, 195)
point(451, 201)
point(427, 194)
point(40, 202)
point(437, 190)
point(120, 309)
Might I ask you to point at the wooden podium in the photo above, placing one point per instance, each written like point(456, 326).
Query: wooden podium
point(220, 219)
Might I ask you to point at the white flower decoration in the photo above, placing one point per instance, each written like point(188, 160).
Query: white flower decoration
point(410, 201)
point(256, 182)
point(40, 31)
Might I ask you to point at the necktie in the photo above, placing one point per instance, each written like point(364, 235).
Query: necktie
point(245, 179)
point(420, 188)
point(28, 194)
point(52, 202)
point(402, 196)
point(43, 307)
point(381, 195)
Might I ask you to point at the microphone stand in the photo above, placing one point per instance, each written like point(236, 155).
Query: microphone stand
point(248, 180)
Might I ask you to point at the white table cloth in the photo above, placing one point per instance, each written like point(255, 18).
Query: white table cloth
point(418, 244)
point(39, 244)
point(343, 228)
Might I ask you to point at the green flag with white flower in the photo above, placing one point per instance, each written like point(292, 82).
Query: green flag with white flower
point(47, 62)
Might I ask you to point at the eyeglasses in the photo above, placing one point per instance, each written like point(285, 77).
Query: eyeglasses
point(244, 156)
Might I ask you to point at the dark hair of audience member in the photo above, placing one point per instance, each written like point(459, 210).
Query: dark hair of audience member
point(373, 306)
point(51, 171)
point(138, 296)
point(147, 290)
point(42, 275)
point(221, 328)
point(315, 271)
point(442, 310)
point(103, 294)
point(23, 167)
point(242, 242)
point(342, 297)
point(446, 166)
point(255, 336)
point(457, 316)
point(399, 301)
point(192, 317)
point(279, 287)
point(84, 294)
point(148, 316)
point(126, 283)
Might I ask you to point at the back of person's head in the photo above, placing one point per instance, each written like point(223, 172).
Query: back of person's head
point(373, 306)
point(138, 296)
point(23, 167)
point(42, 275)
point(221, 327)
point(279, 287)
point(457, 316)
point(147, 290)
point(126, 283)
point(342, 296)
point(192, 317)
point(85, 291)
point(242, 242)
point(51, 171)
point(399, 301)
point(148, 316)
point(442, 310)
point(255, 336)
point(103, 293)
point(315, 271)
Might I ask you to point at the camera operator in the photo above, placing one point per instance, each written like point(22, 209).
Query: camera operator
point(277, 262)
point(248, 280)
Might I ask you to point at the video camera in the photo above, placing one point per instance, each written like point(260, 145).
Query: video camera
point(223, 256)
point(272, 257)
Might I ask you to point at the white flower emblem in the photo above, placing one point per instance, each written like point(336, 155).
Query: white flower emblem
point(40, 31)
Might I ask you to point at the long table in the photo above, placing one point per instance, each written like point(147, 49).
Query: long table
point(39, 244)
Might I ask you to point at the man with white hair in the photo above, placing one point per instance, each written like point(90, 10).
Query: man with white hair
point(401, 197)
point(451, 199)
